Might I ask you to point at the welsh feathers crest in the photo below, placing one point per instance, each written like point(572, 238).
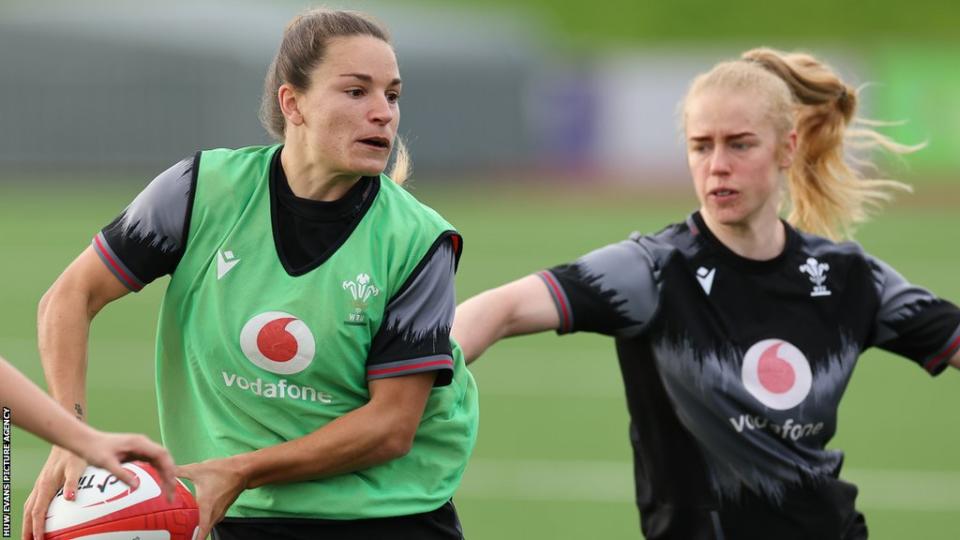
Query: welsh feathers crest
point(361, 290)
point(818, 275)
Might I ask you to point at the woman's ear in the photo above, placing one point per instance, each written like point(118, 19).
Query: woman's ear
point(788, 150)
point(289, 104)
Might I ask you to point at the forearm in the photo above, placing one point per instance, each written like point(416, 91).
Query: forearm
point(34, 411)
point(63, 325)
point(481, 321)
point(357, 440)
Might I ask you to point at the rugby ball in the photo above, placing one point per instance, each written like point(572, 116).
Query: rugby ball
point(107, 509)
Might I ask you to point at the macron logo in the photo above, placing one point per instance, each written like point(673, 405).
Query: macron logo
point(705, 277)
point(225, 262)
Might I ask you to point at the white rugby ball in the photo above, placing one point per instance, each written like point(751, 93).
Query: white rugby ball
point(107, 509)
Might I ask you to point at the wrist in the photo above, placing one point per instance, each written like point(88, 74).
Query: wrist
point(79, 439)
point(245, 466)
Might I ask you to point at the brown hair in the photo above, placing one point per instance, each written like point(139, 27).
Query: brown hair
point(302, 49)
point(827, 194)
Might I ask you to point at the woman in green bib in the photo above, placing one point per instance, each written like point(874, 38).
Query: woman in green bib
point(304, 364)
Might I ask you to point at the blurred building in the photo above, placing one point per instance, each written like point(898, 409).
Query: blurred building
point(107, 83)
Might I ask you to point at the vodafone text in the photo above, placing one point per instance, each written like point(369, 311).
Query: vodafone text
point(282, 389)
point(789, 429)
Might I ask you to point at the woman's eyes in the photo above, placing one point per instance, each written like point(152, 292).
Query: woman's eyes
point(392, 97)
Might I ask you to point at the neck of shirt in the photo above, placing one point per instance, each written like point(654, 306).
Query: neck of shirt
point(308, 232)
point(697, 222)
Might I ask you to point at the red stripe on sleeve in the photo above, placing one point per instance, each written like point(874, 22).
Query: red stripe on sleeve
point(128, 281)
point(936, 360)
point(421, 365)
point(555, 287)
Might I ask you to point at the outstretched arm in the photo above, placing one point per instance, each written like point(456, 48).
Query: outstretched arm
point(520, 307)
point(36, 412)
point(612, 291)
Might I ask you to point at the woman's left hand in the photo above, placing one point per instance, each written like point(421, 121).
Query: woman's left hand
point(218, 483)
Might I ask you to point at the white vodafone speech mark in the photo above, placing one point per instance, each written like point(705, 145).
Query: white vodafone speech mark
point(278, 342)
point(777, 374)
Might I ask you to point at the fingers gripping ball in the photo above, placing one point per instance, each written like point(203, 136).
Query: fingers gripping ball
point(107, 509)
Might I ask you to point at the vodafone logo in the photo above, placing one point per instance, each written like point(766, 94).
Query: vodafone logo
point(777, 374)
point(278, 342)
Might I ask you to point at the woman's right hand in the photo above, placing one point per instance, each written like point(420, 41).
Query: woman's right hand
point(62, 470)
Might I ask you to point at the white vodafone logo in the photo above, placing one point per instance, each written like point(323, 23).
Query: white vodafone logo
point(777, 374)
point(278, 342)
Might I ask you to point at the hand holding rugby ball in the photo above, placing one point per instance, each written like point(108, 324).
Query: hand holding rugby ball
point(107, 509)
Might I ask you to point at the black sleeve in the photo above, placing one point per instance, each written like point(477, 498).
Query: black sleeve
point(912, 322)
point(148, 238)
point(612, 290)
point(415, 334)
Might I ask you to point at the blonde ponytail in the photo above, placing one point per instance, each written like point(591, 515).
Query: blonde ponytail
point(828, 195)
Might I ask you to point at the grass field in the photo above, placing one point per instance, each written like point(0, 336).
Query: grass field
point(552, 460)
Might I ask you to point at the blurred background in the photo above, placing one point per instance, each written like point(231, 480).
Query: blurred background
point(542, 130)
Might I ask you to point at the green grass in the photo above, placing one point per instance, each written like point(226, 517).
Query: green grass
point(552, 459)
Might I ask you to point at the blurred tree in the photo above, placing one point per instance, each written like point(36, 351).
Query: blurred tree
point(616, 22)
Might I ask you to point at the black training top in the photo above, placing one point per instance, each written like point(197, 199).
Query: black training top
point(734, 369)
